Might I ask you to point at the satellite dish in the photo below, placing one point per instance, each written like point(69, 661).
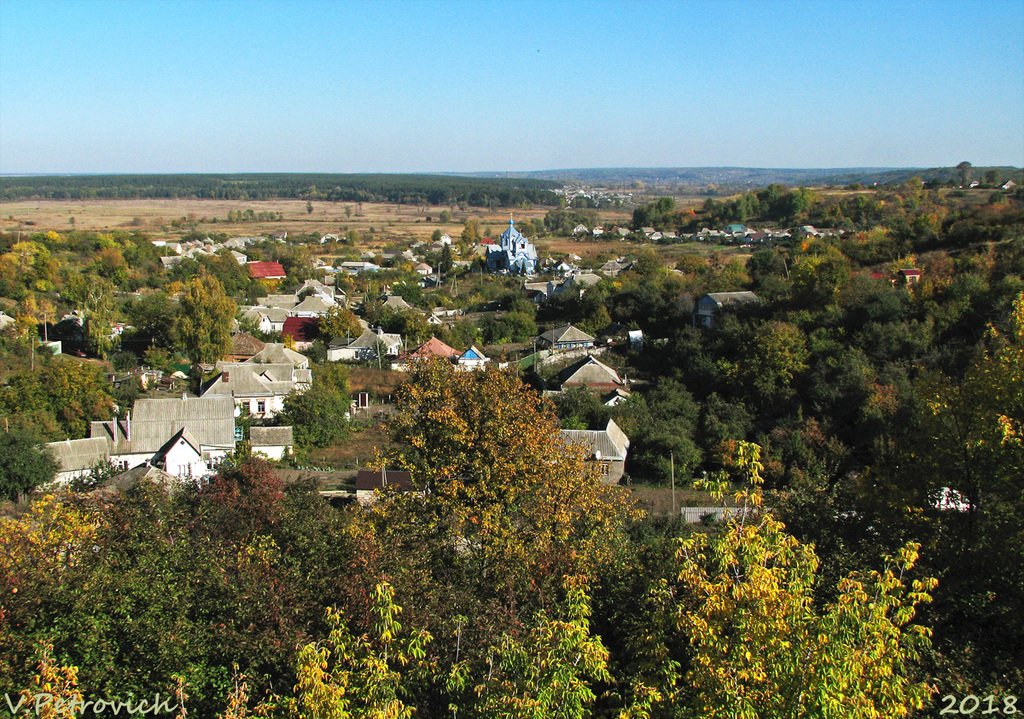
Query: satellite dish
point(237, 412)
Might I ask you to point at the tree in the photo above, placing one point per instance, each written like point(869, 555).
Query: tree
point(153, 317)
point(773, 355)
point(500, 481)
point(762, 648)
point(444, 266)
point(471, 230)
point(59, 399)
point(348, 676)
point(94, 297)
point(318, 414)
point(203, 325)
point(23, 464)
point(339, 322)
point(964, 170)
point(550, 672)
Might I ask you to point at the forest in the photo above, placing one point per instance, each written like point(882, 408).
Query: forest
point(867, 430)
point(407, 189)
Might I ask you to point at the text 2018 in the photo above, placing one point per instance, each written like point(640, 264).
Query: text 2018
point(1006, 705)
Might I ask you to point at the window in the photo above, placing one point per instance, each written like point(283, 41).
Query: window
point(261, 407)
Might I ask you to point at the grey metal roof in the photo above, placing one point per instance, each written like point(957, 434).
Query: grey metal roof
point(277, 353)
point(724, 299)
point(284, 301)
point(271, 436)
point(210, 420)
point(77, 454)
point(246, 379)
point(566, 333)
point(312, 304)
point(367, 340)
point(589, 371)
point(611, 442)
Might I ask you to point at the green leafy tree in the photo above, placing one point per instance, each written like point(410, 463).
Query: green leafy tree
point(551, 672)
point(348, 676)
point(339, 322)
point(203, 325)
point(318, 414)
point(23, 464)
point(153, 318)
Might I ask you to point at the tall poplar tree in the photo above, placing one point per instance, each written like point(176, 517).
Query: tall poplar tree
point(203, 326)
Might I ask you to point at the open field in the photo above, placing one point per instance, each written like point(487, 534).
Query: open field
point(154, 217)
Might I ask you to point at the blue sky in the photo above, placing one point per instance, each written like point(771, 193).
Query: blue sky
point(259, 85)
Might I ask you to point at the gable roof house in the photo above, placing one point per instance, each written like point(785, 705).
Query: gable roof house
point(244, 346)
point(312, 306)
point(303, 330)
point(315, 287)
point(370, 480)
point(709, 306)
point(77, 457)
point(187, 437)
point(608, 447)
point(434, 348)
point(266, 270)
point(271, 442)
point(277, 353)
point(397, 303)
point(589, 372)
point(472, 359)
point(565, 337)
point(364, 347)
point(259, 388)
point(266, 319)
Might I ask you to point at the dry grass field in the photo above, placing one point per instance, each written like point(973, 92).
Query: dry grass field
point(390, 221)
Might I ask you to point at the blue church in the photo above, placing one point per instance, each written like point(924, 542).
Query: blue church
point(514, 253)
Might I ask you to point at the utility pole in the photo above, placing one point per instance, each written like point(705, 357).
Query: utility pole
point(672, 469)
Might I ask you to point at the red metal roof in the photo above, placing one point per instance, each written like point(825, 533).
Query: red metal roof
point(303, 329)
point(266, 271)
point(434, 348)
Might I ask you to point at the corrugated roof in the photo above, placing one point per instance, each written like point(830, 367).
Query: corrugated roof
point(77, 454)
point(266, 270)
point(303, 329)
point(312, 303)
point(566, 333)
point(434, 348)
point(285, 301)
point(368, 339)
point(590, 372)
point(611, 442)
point(724, 299)
point(246, 379)
point(277, 353)
point(210, 420)
point(271, 436)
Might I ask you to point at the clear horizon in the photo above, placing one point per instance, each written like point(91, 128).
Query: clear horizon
point(170, 87)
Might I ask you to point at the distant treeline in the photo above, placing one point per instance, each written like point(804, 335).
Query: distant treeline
point(405, 189)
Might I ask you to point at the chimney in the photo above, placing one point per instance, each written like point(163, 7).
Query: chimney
point(225, 376)
point(128, 426)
